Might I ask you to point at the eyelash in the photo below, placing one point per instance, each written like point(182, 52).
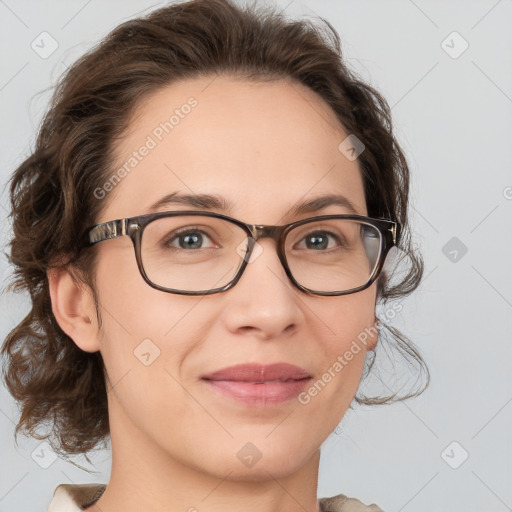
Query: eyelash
point(196, 229)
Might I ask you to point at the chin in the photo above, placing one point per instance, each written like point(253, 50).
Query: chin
point(259, 462)
point(261, 471)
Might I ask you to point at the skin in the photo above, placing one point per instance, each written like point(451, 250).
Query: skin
point(263, 146)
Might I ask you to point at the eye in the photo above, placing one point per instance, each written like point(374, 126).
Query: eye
point(320, 240)
point(187, 239)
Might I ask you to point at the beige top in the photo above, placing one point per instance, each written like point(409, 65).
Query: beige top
point(77, 497)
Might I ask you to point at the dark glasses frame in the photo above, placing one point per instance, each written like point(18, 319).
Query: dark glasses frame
point(134, 228)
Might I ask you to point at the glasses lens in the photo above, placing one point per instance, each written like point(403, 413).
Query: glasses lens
point(333, 254)
point(200, 253)
point(192, 252)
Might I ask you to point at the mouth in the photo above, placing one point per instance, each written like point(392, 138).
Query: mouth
point(257, 385)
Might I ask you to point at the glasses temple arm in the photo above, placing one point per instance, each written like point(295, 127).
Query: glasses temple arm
point(107, 230)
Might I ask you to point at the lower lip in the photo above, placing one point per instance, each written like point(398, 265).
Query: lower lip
point(259, 395)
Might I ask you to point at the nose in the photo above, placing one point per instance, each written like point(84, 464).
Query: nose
point(264, 301)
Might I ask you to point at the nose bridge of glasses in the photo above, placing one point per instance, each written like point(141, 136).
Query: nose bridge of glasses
point(262, 231)
point(259, 231)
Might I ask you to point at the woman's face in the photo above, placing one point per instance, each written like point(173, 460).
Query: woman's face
point(263, 147)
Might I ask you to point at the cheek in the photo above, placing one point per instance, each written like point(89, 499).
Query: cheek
point(144, 339)
point(344, 331)
point(128, 305)
point(142, 328)
point(347, 323)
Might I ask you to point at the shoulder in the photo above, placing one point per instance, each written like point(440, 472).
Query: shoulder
point(342, 503)
point(75, 497)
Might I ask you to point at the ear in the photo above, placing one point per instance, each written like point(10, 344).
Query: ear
point(373, 335)
point(74, 309)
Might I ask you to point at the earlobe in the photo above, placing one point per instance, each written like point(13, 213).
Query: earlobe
point(73, 308)
point(373, 335)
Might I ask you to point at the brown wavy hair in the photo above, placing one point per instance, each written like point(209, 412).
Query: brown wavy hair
point(52, 191)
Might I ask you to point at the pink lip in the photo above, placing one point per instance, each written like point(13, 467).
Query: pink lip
point(253, 372)
point(250, 383)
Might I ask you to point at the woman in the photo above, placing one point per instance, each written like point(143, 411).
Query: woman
point(202, 228)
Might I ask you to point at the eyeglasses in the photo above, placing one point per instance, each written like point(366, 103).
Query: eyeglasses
point(200, 253)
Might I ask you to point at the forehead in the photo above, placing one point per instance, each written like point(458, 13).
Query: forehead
point(262, 145)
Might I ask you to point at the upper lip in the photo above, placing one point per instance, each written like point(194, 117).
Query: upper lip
point(254, 372)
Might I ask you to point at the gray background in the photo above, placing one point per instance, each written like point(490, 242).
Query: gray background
point(453, 116)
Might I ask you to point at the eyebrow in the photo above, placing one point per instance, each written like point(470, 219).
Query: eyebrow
point(216, 202)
